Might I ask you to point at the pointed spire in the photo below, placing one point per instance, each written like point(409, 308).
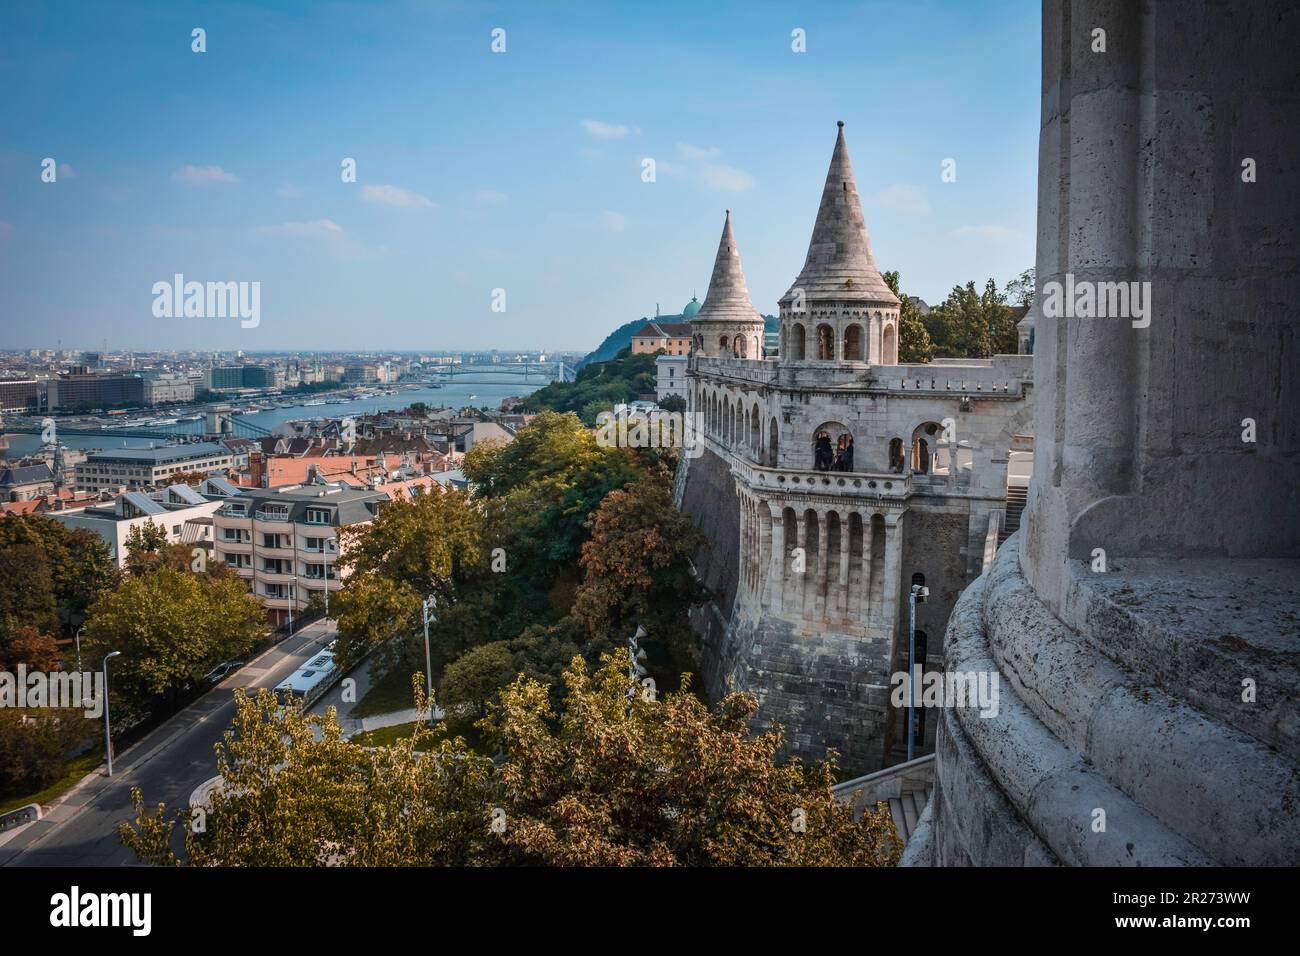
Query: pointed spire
point(728, 298)
point(839, 263)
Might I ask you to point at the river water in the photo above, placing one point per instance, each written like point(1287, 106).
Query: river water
point(453, 395)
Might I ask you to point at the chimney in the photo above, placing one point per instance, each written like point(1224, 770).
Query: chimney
point(255, 470)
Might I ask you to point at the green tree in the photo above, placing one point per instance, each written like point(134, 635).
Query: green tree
point(914, 345)
point(474, 678)
point(172, 627)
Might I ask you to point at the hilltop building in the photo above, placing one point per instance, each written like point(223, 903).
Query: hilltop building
point(832, 479)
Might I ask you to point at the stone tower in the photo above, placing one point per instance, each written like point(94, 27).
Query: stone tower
point(728, 324)
point(1143, 622)
point(839, 309)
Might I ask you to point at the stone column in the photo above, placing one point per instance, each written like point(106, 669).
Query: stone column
point(846, 546)
point(893, 568)
point(868, 545)
point(801, 542)
point(821, 602)
point(1147, 495)
point(776, 563)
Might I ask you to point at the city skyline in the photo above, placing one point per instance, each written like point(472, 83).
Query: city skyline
point(479, 171)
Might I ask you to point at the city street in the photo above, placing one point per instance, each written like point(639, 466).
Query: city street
point(168, 765)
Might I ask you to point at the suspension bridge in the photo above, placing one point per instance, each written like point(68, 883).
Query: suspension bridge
point(239, 427)
point(523, 373)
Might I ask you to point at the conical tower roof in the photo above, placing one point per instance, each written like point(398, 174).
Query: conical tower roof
point(728, 297)
point(839, 263)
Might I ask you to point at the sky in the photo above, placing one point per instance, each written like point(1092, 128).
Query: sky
point(479, 171)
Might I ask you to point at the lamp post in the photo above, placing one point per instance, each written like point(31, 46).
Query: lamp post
point(430, 603)
point(331, 546)
point(293, 599)
point(78, 639)
point(108, 736)
point(917, 594)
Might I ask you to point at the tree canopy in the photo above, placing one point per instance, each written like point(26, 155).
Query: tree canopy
point(609, 781)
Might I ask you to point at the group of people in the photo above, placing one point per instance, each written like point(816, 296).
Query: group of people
point(828, 457)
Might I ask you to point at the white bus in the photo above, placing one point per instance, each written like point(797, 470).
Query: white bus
point(310, 681)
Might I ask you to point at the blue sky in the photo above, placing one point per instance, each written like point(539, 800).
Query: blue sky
point(478, 171)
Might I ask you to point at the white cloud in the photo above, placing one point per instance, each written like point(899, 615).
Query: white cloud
point(903, 198)
point(996, 233)
point(727, 178)
point(316, 229)
point(396, 196)
point(604, 130)
point(492, 197)
point(288, 192)
point(698, 152)
point(203, 175)
point(615, 221)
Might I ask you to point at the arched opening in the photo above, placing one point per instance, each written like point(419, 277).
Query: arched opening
point(742, 346)
point(797, 341)
point(772, 443)
point(723, 344)
point(918, 579)
point(931, 452)
point(853, 343)
point(896, 457)
point(889, 347)
point(825, 343)
point(755, 433)
point(832, 447)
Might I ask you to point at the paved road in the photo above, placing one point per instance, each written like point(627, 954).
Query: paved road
point(168, 765)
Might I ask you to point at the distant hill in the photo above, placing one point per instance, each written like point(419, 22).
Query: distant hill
point(615, 342)
point(621, 337)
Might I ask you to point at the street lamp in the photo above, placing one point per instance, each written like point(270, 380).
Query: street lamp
point(331, 545)
point(293, 599)
point(108, 736)
point(915, 596)
point(78, 639)
point(430, 603)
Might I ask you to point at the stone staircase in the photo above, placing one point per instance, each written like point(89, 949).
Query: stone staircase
point(904, 787)
point(1017, 495)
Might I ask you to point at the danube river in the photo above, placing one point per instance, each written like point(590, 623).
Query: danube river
point(453, 396)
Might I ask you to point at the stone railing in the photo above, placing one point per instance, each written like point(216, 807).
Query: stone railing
point(844, 483)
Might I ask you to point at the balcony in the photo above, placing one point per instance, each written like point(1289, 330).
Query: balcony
point(234, 547)
point(848, 484)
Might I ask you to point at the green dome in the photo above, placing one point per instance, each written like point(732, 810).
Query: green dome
point(691, 308)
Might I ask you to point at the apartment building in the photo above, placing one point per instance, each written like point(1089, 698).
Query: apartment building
point(284, 542)
point(183, 512)
point(135, 468)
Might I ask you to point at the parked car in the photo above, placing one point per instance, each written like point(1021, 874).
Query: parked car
point(222, 671)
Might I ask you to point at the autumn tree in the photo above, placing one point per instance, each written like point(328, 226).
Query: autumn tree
point(637, 568)
point(607, 782)
point(295, 793)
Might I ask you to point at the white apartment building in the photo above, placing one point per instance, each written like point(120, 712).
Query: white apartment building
point(284, 542)
point(185, 513)
point(670, 376)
